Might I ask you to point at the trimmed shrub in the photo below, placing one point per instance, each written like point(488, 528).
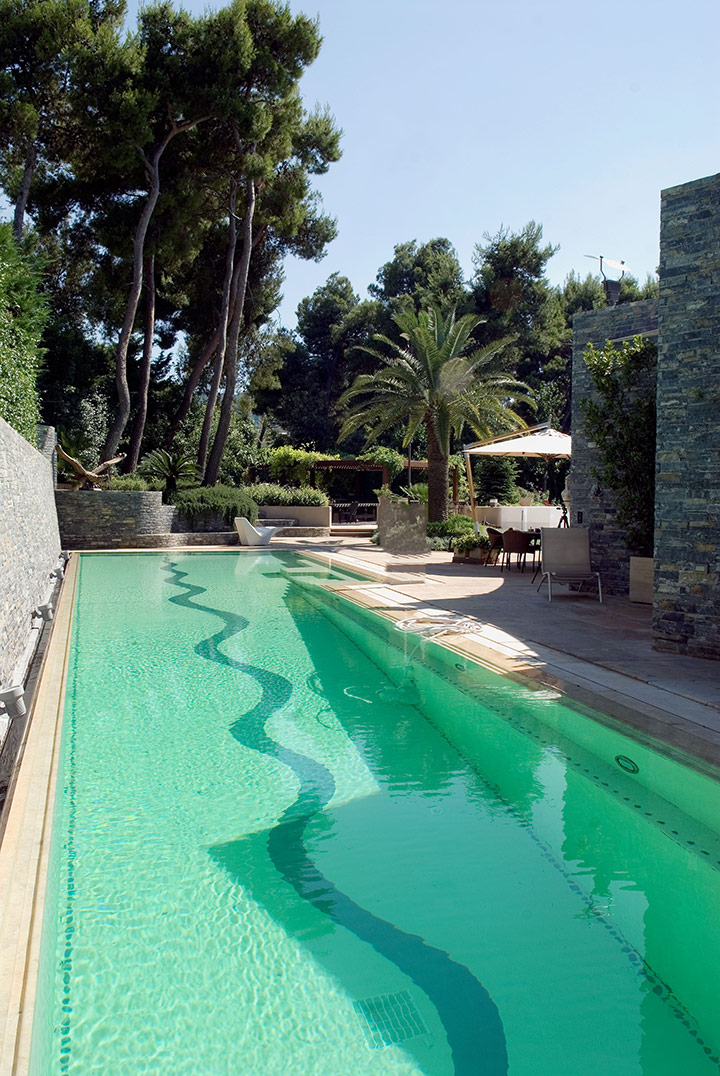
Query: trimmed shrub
point(133, 482)
point(221, 500)
point(280, 496)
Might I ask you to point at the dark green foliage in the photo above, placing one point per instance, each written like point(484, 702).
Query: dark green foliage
point(22, 316)
point(495, 477)
point(331, 323)
point(208, 500)
point(425, 276)
point(267, 493)
point(621, 423)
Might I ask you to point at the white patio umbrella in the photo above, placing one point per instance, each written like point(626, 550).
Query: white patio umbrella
point(538, 442)
point(544, 443)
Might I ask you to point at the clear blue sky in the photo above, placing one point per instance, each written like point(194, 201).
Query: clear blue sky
point(461, 116)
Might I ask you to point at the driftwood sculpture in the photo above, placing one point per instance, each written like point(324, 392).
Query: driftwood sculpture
point(88, 479)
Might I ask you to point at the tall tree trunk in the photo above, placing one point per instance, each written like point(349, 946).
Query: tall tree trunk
point(24, 192)
point(230, 286)
point(213, 467)
point(438, 484)
point(197, 370)
point(152, 165)
point(192, 383)
point(138, 428)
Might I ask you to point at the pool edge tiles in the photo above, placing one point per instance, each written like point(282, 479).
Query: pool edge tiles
point(26, 845)
point(609, 695)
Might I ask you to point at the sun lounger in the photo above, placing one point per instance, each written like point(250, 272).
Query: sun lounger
point(250, 535)
point(565, 558)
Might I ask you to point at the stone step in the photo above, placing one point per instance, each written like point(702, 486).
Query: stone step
point(267, 521)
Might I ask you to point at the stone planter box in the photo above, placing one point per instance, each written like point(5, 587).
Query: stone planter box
point(307, 515)
point(402, 526)
point(475, 556)
point(641, 580)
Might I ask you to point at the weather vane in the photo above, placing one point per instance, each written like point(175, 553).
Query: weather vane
point(612, 287)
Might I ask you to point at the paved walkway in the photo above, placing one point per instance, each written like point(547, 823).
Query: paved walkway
point(605, 649)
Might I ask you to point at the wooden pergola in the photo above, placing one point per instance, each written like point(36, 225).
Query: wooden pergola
point(358, 466)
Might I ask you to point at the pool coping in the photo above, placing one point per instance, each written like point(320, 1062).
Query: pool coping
point(633, 706)
point(25, 847)
point(26, 844)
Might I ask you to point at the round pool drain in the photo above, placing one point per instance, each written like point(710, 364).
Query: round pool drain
point(627, 764)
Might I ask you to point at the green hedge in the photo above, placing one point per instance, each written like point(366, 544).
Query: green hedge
point(225, 500)
point(281, 496)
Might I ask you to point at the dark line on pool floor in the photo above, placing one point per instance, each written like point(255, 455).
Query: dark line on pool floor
point(470, 1017)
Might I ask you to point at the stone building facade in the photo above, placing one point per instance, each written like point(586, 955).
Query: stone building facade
point(590, 504)
point(29, 538)
point(686, 611)
point(686, 317)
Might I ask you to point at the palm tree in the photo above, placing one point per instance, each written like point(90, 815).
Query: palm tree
point(428, 378)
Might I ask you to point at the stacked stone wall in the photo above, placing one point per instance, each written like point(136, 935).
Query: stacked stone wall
point(591, 505)
point(29, 539)
point(686, 612)
point(112, 519)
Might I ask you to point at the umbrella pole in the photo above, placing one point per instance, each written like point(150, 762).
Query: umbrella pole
point(471, 487)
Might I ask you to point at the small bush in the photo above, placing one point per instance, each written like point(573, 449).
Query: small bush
point(133, 482)
point(225, 500)
point(268, 493)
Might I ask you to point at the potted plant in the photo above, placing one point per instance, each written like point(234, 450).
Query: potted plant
point(472, 546)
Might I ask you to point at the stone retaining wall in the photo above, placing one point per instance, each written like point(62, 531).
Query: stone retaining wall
point(29, 539)
point(686, 612)
point(111, 519)
point(590, 505)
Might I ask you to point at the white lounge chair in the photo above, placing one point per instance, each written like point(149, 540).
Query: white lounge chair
point(565, 558)
point(250, 535)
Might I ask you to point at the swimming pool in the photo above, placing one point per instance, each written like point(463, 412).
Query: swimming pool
point(291, 839)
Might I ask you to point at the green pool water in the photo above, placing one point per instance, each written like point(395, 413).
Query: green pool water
point(291, 839)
